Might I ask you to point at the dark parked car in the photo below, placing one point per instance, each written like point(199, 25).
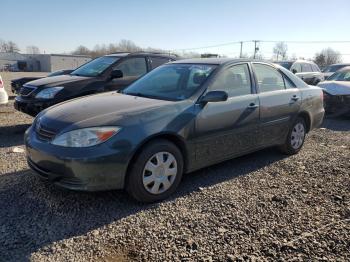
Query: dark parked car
point(181, 117)
point(336, 91)
point(308, 71)
point(331, 69)
point(106, 73)
point(17, 84)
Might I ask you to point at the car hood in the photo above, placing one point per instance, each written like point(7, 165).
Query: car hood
point(108, 109)
point(57, 80)
point(336, 87)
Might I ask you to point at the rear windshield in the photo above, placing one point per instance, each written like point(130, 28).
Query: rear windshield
point(332, 68)
point(343, 75)
point(96, 66)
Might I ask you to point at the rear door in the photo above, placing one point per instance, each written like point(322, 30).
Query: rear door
point(228, 128)
point(280, 101)
point(132, 67)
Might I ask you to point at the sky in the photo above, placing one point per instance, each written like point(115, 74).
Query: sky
point(61, 26)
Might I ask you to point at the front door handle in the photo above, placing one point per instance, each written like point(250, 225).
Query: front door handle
point(295, 98)
point(253, 106)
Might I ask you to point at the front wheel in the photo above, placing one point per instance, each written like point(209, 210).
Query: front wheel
point(295, 138)
point(156, 172)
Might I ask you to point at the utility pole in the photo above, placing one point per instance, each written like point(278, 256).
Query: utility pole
point(240, 54)
point(255, 48)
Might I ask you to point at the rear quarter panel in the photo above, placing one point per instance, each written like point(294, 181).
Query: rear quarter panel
point(312, 104)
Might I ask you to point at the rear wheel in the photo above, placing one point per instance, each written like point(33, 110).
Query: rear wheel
point(156, 172)
point(295, 138)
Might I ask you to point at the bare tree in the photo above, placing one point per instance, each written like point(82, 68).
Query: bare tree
point(280, 50)
point(122, 46)
point(327, 57)
point(32, 49)
point(81, 50)
point(8, 46)
point(128, 46)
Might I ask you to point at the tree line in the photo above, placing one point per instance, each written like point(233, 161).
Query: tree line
point(323, 58)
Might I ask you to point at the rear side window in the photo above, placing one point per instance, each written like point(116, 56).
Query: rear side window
point(269, 79)
point(234, 80)
point(315, 68)
point(306, 67)
point(158, 61)
point(135, 66)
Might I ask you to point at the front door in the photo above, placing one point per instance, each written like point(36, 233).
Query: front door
point(225, 129)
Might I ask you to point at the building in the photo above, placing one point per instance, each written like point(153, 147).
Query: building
point(40, 62)
point(12, 61)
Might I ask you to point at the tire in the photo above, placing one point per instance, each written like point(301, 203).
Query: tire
point(295, 138)
point(159, 165)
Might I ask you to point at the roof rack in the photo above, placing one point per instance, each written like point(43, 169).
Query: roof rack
point(154, 53)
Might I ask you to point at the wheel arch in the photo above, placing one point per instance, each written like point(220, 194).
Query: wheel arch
point(306, 116)
point(171, 137)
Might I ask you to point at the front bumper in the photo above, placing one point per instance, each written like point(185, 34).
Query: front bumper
point(85, 169)
point(31, 106)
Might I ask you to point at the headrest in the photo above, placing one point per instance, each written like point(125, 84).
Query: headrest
point(199, 78)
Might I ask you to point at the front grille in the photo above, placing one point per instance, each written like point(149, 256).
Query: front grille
point(44, 133)
point(26, 90)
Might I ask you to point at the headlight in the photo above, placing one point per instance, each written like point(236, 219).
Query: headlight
point(49, 93)
point(86, 137)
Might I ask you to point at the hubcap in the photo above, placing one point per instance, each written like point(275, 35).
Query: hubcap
point(297, 136)
point(159, 172)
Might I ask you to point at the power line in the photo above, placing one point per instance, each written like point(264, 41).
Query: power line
point(306, 42)
point(209, 46)
point(265, 41)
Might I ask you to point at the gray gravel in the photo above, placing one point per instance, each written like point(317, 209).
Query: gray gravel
point(263, 206)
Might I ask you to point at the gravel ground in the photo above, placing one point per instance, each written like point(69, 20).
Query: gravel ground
point(263, 206)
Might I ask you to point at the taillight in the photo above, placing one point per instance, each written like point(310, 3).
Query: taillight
point(1, 83)
point(322, 95)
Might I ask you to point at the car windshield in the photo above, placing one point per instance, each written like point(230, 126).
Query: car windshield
point(286, 65)
point(95, 67)
point(172, 82)
point(340, 76)
point(332, 68)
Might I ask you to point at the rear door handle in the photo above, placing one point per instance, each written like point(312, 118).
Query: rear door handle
point(253, 106)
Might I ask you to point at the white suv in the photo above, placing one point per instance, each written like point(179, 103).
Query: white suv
point(3, 95)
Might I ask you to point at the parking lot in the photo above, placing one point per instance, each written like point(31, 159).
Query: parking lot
point(264, 206)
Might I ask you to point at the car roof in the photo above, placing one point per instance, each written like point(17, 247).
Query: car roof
point(294, 61)
point(346, 68)
point(340, 64)
point(214, 61)
point(123, 54)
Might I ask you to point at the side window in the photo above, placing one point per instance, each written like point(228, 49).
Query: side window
point(234, 80)
point(297, 67)
point(132, 67)
point(315, 68)
point(269, 79)
point(158, 61)
point(306, 67)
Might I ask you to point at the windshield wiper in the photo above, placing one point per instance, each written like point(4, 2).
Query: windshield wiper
point(144, 95)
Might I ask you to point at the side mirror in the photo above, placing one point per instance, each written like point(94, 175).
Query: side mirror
point(214, 96)
point(116, 74)
point(294, 71)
